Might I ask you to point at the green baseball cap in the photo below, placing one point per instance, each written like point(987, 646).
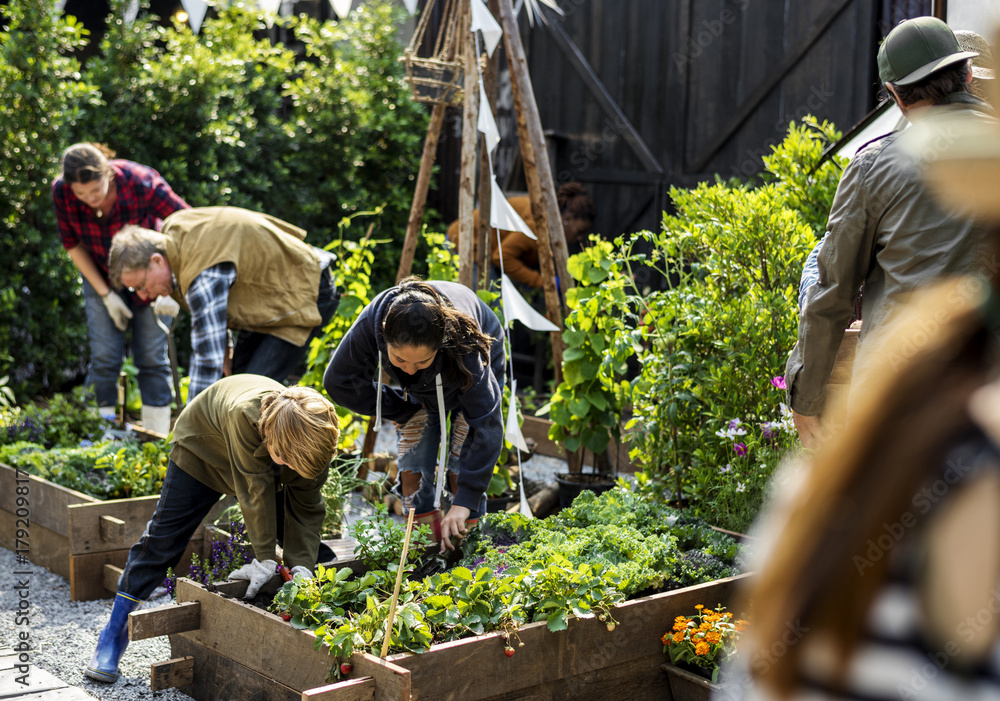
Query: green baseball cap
point(917, 47)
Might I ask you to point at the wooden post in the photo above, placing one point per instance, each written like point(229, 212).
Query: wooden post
point(420, 194)
point(552, 253)
point(470, 139)
point(485, 235)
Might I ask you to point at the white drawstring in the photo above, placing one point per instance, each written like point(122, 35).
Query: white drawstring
point(378, 396)
point(443, 451)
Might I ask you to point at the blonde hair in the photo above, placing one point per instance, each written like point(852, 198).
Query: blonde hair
point(300, 426)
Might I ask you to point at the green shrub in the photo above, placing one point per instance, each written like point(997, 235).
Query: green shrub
point(43, 335)
point(708, 423)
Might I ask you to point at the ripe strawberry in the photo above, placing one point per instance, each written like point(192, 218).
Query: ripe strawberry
point(346, 667)
point(286, 616)
point(509, 651)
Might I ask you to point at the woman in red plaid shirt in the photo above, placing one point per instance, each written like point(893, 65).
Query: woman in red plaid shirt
point(94, 198)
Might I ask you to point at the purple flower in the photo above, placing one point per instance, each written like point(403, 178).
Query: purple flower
point(779, 382)
point(741, 449)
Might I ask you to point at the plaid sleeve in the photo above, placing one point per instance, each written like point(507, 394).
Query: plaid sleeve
point(207, 298)
point(61, 202)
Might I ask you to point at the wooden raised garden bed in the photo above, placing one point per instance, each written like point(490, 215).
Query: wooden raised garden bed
point(74, 534)
point(225, 648)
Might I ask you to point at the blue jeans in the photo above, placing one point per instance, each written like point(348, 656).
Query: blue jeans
point(183, 503)
point(107, 351)
point(419, 443)
point(270, 356)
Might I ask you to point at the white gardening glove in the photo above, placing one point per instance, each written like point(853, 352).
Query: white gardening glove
point(304, 571)
point(259, 574)
point(166, 306)
point(117, 309)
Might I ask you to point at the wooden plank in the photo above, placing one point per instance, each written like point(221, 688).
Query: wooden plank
point(113, 531)
point(288, 657)
point(538, 429)
point(164, 620)
point(219, 677)
point(48, 501)
point(172, 673)
point(391, 681)
point(87, 573)
point(350, 690)
point(46, 548)
point(586, 649)
point(24, 680)
point(111, 576)
point(85, 523)
point(843, 365)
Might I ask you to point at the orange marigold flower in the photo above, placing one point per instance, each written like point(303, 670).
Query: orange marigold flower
point(713, 637)
point(699, 606)
point(701, 648)
point(678, 637)
point(666, 639)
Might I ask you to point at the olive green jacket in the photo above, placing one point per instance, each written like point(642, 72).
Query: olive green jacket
point(277, 274)
point(217, 441)
point(887, 231)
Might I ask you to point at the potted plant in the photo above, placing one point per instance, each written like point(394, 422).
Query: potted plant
point(698, 647)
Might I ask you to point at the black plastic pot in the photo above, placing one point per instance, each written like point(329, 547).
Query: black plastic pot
point(572, 483)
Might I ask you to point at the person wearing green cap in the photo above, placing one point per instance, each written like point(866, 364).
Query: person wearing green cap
point(884, 231)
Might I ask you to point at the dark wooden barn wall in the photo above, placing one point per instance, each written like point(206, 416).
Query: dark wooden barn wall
point(680, 70)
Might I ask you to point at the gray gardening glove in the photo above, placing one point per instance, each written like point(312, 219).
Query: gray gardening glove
point(259, 573)
point(166, 306)
point(117, 309)
point(304, 571)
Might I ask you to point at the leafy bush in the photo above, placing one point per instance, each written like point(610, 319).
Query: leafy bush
point(62, 421)
point(43, 335)
point(707, 420)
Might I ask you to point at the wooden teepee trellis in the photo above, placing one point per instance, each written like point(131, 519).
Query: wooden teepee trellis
point(455, 44)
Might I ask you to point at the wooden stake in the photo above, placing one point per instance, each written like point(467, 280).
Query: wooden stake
point(420, 194)
point(399, 582)
point(552, 253)
point(470, 139)
point(485, 236)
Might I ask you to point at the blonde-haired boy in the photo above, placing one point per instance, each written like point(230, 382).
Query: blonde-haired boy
point(249, 437)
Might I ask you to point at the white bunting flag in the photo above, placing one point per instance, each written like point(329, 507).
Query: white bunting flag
point(487, 125)
point(513, 431)
point(130, 13)
point(516, 308)
point(59, 5)
point(483, 20)
point(411, 5)
point(342, 7)
point(269, 8)
point(196, 13)
point(503, 216)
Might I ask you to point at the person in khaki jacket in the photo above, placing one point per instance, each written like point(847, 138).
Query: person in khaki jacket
point(247, 436)
point(884, 230)
point(230, 267)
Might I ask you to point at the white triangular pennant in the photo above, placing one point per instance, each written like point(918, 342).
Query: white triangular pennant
point(487, 125)
point(515, 308)
point(525, 507)
point(59, 5)
point(342, 7)
point(411, 6)
point(130, 13)
point(269, 8)
point(483, 20)
point(196, 10)
point(513, 431)
point(503, 216)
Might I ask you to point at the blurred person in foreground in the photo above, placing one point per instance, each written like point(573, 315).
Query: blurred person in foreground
point(879, 571)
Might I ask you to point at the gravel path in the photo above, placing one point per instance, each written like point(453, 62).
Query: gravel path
point(63, 633)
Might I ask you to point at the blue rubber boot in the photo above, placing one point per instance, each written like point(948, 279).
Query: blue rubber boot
point(111, 645)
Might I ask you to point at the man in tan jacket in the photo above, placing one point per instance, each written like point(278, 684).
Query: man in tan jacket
point(237, 269)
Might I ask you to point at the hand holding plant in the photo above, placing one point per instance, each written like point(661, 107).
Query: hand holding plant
point(705, 641)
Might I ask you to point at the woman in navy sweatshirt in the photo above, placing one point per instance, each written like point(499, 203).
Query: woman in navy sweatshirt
point(443, 348)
